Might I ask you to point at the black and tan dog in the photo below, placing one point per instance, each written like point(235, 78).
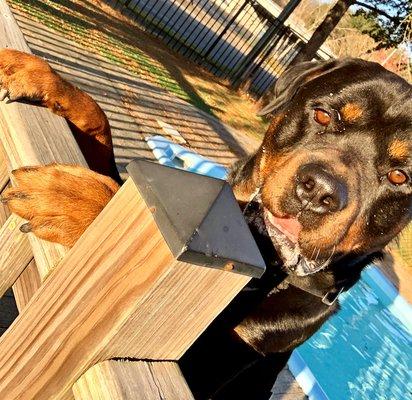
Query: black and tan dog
point(329, 187)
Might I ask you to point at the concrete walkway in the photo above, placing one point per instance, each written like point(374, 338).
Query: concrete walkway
point(137, 109)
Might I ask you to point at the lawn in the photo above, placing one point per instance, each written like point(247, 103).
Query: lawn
point(107, 33)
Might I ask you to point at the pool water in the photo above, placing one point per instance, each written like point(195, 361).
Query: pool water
point(364, 351)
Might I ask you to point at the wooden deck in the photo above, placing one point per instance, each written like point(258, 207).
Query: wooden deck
point(133, 106)
point(136, 109)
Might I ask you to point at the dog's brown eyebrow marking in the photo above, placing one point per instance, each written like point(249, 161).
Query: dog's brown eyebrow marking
point(399, 149)
point(276, 120)
point(351, 112)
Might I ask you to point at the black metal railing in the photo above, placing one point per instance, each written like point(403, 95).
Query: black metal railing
point(221, 35)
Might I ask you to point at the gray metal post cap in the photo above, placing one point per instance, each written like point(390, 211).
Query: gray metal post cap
point(198, 217)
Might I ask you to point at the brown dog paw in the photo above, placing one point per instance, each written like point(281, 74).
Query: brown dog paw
point(27, 77)
point(58, 201)
point(21, 76)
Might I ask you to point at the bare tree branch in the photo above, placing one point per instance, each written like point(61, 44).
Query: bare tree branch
point(379, 11)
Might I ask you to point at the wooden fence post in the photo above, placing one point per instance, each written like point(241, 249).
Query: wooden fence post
point(119, 292)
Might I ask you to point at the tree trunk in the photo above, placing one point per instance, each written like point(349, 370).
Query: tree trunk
point(323, 30)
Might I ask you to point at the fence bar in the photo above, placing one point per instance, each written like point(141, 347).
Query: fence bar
point(230, 23)
point(227, 43)
point(245, 70)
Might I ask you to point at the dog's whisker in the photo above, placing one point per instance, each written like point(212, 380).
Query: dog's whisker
point(252, 198)
point(332, 253)
point(317, 255)
point(313, 252)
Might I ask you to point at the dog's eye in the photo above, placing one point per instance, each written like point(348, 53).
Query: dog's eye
point(397, 177)
point(322, 117)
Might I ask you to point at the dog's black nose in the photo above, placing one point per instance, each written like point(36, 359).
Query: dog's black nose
point(319, 191)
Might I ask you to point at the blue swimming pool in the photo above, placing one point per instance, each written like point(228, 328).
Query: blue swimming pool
point(364, 352)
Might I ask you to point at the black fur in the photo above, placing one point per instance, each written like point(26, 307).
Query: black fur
point(282, 310)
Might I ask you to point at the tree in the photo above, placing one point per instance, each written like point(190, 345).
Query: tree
point(386, 23)
point(387, 32)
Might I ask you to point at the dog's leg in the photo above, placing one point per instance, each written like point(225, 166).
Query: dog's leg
point(27, 77)
point(58, 201)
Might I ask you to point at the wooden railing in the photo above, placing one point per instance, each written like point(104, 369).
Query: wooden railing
point(118, 293)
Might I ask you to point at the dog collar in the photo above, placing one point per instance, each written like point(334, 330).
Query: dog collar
point(329, 298)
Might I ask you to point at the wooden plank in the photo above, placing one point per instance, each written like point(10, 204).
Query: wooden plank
point(4, 183)
point(4, 210)
point(4, 174)
point(31, 136)
point(15, 252)
point(178, 310)
point(27, 284)
point(89, 308)
point(136, 380)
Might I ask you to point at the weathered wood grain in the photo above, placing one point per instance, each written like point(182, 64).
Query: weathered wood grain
point(4, 174)
point(32, 135)
point(180, 307)
point(136, 380)
point(27, 284)
point(4, 183)
point(4, 210)
point(15, 252)
point(118, 280)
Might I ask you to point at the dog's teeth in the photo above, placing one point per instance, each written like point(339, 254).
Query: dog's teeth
point(3, 94)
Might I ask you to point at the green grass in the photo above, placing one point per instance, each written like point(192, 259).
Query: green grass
point(61, 17)
point(125, 45)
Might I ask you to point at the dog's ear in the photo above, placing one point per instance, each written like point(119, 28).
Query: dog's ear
point(292, 80)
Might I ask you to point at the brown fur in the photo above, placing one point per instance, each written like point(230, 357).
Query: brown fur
point(351, 112)
point(26, 76)
point(399, 150)
point(276, 174)
point(46, 198)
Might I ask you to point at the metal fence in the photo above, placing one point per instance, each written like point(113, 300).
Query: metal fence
point(222, 36)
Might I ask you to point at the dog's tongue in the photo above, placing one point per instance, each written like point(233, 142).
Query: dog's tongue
point(290, 227)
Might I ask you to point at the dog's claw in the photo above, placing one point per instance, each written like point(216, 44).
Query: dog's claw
point(3, 94)
point(26, 228)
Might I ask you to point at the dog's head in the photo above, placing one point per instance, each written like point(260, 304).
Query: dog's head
point(334, 171)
